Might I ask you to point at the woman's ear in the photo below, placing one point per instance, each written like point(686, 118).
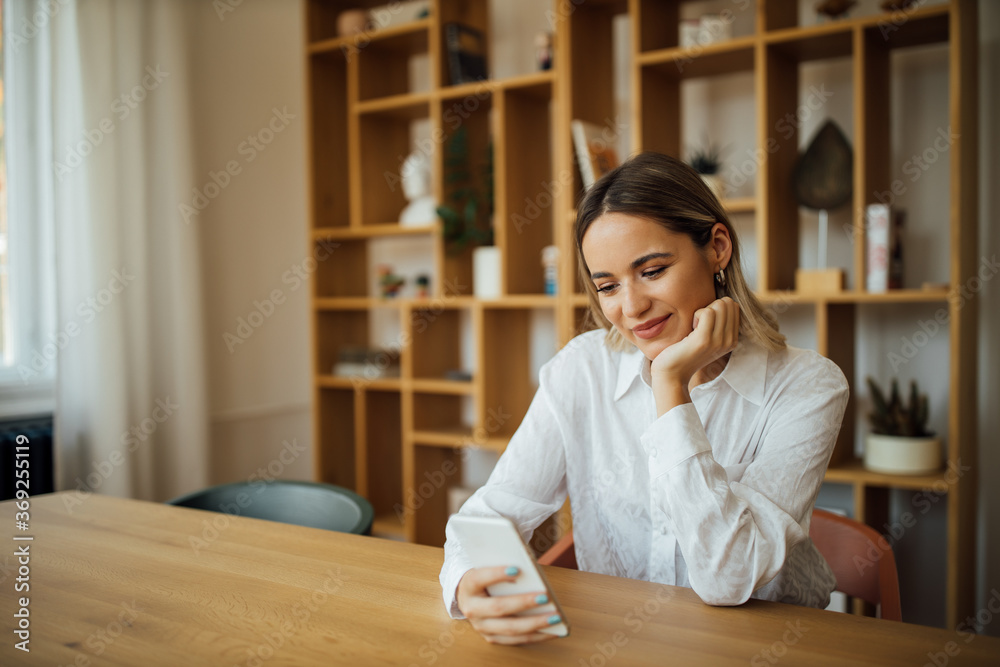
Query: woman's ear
point(720, 247)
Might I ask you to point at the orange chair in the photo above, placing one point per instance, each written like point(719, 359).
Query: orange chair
point(863, 568)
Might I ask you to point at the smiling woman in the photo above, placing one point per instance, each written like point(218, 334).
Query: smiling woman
point(690, 439)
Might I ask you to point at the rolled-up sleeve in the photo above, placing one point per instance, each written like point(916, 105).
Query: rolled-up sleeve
point(735, 536)
point(527, 485)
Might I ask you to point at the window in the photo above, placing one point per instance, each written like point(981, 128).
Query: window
point(26, 268)
point(6, 351)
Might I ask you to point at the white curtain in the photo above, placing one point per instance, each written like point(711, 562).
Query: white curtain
point(98, 99)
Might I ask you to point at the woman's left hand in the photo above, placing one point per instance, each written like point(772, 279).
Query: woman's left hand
point(716, 330)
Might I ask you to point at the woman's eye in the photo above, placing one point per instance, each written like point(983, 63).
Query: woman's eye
point(605, 288)
point(652, 273)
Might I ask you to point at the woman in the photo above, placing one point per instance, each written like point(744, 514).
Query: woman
point(691, 440)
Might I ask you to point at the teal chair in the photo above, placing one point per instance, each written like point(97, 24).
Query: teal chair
point(300, 503)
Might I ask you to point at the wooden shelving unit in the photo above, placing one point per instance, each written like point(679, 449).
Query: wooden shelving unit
point(399, 441)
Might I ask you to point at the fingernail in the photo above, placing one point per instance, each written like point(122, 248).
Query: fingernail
point(511, 571)
point(554, 619)
point(542, 599)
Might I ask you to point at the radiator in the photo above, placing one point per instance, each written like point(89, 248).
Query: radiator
point(41, 471)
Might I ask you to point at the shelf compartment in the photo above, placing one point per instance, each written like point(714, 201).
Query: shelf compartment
point(527, 191)
point(472, 13)
point(386, 133)
point(463, 120)
point(336, 330)
point(384, 62)
point(784, 112)
point(506, 369)
point(328, 122)
point(435, 343)
point(381, 458)
point(344, 272)
point(335, 441)
point(435, 471)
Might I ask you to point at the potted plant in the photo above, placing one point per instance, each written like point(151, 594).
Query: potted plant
point(899, 441)
point(467, 196)
point(470, 204)
point(707, 161)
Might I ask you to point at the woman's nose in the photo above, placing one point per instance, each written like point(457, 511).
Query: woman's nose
point(636, 302)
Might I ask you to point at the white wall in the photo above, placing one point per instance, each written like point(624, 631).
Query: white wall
point(246, 64)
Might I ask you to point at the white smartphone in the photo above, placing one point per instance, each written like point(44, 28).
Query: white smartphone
point(492, 541)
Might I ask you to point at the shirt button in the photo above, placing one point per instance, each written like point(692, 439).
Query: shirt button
point(655, 452)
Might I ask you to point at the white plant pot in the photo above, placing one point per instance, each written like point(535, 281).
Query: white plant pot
point(486, 272)
point(715, 184)
point(900, 455)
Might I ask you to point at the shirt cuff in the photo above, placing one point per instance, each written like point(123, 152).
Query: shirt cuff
point(673, 438)
point(449, 589)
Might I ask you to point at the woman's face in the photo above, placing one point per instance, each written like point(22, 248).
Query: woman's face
point(649, 280)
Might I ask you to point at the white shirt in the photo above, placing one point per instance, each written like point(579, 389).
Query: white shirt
point(715, 495)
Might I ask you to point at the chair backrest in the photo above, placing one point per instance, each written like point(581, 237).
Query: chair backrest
point(864, 569)
point(860, 558)
point(300, 503)
point(560, 554)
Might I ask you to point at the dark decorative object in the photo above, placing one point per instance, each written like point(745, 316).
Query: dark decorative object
point(893, 417)
point(466, 53)
point(467, 195)
point(823, 180)
point(389, 282)
point(824, 173)
point(835, 9)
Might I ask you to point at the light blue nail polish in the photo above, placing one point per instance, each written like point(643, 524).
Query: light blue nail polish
point(554, 619)
point(511, 571)
point(541, 599)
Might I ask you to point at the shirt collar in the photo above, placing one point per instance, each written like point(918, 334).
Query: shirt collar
point(745, 372)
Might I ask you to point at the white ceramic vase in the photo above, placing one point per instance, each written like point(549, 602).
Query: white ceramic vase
point(900, 455)
point(486, 272)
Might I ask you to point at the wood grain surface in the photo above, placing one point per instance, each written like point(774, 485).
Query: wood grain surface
point(124, 582)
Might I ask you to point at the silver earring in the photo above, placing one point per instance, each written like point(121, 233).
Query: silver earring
point(720, 278)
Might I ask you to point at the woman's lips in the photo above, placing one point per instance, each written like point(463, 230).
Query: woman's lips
point(651, 329)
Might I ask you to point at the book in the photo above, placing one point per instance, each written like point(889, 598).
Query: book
point(466, 53)
point(594, 152)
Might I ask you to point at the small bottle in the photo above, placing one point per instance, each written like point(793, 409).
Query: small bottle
point(550, 260)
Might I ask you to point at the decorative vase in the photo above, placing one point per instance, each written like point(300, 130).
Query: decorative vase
point(901, 455)
point(715, 184)
point(486, 272)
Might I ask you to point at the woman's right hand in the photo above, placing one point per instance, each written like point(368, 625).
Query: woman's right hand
point(493, 617)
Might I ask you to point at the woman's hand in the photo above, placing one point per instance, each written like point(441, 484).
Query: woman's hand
point(493, 617)
point(716, 330)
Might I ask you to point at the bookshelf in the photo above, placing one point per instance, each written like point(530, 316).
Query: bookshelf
point(400, 441)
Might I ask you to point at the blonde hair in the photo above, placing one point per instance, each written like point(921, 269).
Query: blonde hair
point(664, 190)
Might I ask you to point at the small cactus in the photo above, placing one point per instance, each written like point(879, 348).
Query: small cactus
point(892, 417)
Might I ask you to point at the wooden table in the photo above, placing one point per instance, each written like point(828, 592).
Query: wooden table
point(123, 582)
